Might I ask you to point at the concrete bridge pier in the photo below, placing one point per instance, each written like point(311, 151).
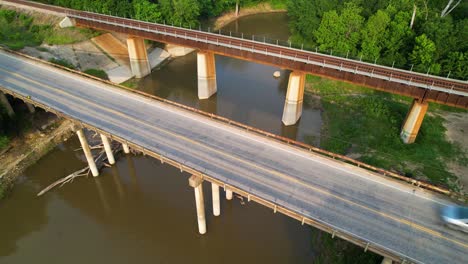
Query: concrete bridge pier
point(87, 152)
point(386, 261)
point(31, 108)
point(294, 98)
point(196, 183)
point(108, 149)
point(125, 147)
point(206, 70)
point(413, 121)
point(4, 101)
point(138, 57)
point(228, 195)
point(216, 200)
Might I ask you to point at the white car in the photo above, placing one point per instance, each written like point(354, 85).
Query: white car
point(455, 217)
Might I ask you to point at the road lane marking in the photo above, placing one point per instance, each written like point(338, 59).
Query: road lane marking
point(278, 174)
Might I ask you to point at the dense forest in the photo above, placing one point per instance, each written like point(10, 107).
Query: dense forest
point(428, 36)
point(421, 35)
point(178, 12)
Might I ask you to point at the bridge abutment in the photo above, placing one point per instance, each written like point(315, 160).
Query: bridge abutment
point(87, 152)
point(139, 62)
point(108, 149)
point(196, 183)
point(4, 101)
point(294, 98)
point(413, 121)
point(206, 70)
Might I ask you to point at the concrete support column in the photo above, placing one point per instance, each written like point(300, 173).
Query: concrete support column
point(216, 200)
point(138, 57)
point(228, 195)
point(413, 121)
point(206, 70)
point(386, 261)
point(4, 101)
point(87, 152)
point(196, 183)
point(31, 108)
point(108, 149)
point(125, 147)
point(294, 98)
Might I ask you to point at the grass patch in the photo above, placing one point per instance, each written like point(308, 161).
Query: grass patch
point(278, 4)
point(18, 30)
point(339, 251)
point(367, 122)
point(43, 49)
point(97, 73)
point(4, 141)
point(63, 62)
point(132, 83)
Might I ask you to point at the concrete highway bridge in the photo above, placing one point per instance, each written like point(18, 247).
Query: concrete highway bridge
point(423, 88)
point(394, 219)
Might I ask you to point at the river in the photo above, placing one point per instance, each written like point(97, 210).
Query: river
point(141, 211)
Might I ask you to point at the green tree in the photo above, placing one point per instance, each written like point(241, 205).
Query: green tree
point(305, 16)
point(186, 12)
point(398, 37)
point(422, 56)
point(373, 35)
point(147, 11)
point(456, 64)
point(340, 32)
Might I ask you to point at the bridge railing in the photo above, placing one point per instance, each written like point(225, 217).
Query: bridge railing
point(253, 45)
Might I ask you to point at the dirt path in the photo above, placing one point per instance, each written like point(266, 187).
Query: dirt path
point(457, 127)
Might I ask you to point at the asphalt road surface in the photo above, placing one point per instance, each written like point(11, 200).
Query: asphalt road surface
point(382, 211)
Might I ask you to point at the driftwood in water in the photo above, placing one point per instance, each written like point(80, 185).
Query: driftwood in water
point(101, 160)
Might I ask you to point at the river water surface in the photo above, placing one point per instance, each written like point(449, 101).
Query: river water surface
point(141, 211)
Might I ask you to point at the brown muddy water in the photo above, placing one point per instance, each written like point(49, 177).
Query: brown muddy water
point(140, 211)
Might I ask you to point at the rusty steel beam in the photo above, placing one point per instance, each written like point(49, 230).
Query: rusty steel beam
point(373, 83)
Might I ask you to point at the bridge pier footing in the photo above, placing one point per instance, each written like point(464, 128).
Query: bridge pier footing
point(4, 101)
point(206, 70)
point(294, 98)
point(228, 195)
point(386, 261)
point(139, 62)
point(196, 183)
point(87, 152)
point(108, 149)
point(413, 121)
point(216, 199)
point(125, 147)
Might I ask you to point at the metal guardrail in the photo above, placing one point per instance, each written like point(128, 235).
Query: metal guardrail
point(271, 50)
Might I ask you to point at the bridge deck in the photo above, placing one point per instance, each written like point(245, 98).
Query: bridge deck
point(387, 214)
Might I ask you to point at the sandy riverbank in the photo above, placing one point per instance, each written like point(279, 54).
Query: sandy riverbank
point(229, 17)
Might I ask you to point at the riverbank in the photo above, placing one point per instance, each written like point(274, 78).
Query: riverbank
point(365, 124)
point(261, 8)
point(28, 148)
